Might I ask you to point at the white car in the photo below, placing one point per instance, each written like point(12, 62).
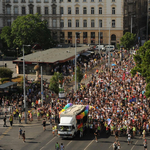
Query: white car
point(110, 48)
point(101, 47)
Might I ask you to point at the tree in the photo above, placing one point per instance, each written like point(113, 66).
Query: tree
point(142, 60)
point(6, 36)
point(128, 40)
point(5, 73)
point(29, 30)
point(79, 75)
point(55, 81)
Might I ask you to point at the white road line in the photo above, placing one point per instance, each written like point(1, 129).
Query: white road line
point(48, 142)
point(110, 146)
point(134, 145)
point(89, 144)
point(68, 143)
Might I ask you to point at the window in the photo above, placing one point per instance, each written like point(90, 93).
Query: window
point(113, 10)
point(92, 0)
point(77, 0)
point(92, 34)
point(8, 22)
point(54, 23)
point(100, 23)
point(54, 10)
point(23, 10)
point(92, 23)
point(61, 23)
point(77, 23)
point(100, 0)
point(84, 34)
point(92, 10)
point(45, 1)
point(69, 23)
point(30, 1)
point(38, 1)
point(69, 10)
point(84, 0)
point(15, 1)
point(31, 10)
point(113, 0)
point(8, 10)
point(77, 10)
point(69, 34)
point(39, 10)
point(7, 1)
point(100, 10)
point(15, 10)
point(84, 23)
point(61, 1)
point(62, 37)
point(23, 1)
point(46, 10)
point(69, 0)
point(84, 10)
point(61, 10)
point(113, 23)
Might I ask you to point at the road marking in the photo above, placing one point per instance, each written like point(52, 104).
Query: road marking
point(68, 143)
point(48, 142)
point(134, 145)
point(89, 144)
point(110, 146)
point(5, 132)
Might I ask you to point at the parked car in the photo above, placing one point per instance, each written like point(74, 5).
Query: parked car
point(101, 47)
point(110, 48)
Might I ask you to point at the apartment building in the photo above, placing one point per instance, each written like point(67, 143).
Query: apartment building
point(85, 18)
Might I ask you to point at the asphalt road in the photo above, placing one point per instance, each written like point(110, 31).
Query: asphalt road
point(37, 139)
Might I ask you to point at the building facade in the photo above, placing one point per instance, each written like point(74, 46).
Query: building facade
point(67, 17)
point(135, 17)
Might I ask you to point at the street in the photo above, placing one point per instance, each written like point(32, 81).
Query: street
point(37, 139)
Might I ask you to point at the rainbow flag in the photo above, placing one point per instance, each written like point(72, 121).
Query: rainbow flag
point(83, 113)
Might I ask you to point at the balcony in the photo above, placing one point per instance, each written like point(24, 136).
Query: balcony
point(130, 1)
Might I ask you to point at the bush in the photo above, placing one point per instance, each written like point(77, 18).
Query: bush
point(5, 73)
point(4, 79)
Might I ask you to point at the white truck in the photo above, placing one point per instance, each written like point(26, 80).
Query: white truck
point(68, 126)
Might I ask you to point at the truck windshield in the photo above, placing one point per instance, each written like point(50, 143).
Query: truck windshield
point(65, 128)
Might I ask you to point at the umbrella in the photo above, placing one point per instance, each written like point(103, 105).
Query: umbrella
point(113, 64)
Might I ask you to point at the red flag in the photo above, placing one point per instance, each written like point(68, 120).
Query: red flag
point(123, 77)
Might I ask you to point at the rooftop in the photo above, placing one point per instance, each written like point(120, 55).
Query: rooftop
point(5, 85)
point(73, 110)
point(52, 55)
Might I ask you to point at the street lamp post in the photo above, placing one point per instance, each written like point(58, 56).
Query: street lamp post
point(42, 86)
point(24, 87)
point(99, 39)
point(131, 23)
point(76, 61)
point(109, 47)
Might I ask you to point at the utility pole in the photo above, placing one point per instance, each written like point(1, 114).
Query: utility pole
point(131, 23)
point(41, 86)
point(75, 63)
point(99, 38)
point(109, 47)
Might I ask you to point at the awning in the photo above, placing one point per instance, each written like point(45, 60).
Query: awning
point(85, 54)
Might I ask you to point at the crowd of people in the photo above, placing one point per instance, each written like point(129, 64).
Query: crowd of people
point(117, 100)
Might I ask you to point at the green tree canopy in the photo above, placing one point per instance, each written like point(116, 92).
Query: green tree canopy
point(128, 40)
point(56, 79)
point(5, 73)
point(28, 29)
point(142, 60)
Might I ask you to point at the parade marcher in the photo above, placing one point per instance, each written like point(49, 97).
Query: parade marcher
point(20, 132)
point(57, 147)
point(23, 136)
point(4, 119)
point(96, 134)
point(44, 124)
point(11, 120)
point(145, 144)
point(129, 139)
point(62, 147)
